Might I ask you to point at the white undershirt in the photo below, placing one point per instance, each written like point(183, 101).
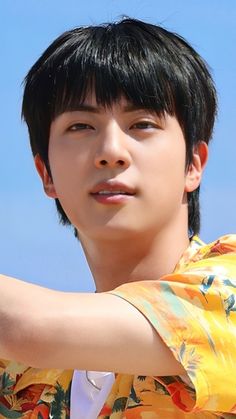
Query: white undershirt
point(86, 400)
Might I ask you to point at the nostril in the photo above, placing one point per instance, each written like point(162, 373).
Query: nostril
point(103, 162)
point(121, 162)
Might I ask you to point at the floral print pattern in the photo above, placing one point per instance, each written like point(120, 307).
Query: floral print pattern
point(30, 393)
point(194, 311)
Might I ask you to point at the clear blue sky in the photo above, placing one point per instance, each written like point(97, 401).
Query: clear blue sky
point(33, 246)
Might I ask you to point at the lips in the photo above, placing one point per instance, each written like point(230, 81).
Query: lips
point(112, 193)
point(112, 188)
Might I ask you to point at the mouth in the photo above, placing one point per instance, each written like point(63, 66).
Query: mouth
point(112, 192)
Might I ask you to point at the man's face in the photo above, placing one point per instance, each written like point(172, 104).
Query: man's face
point(117, 172)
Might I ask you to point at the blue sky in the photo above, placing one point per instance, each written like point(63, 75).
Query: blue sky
point(33, 245)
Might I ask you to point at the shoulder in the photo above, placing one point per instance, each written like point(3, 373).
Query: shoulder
point(217, 257)
point(223, 245)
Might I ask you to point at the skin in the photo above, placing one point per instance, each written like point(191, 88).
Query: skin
point(147, 153)
point(141, 150)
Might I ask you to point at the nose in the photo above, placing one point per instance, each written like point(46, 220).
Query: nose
point(112, 150)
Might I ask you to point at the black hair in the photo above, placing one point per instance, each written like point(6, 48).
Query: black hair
point(148, 65)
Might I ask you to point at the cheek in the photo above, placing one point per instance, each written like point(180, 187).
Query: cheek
point(165, 178)
point(167, 160)
point(64, 180)
point(64, 165)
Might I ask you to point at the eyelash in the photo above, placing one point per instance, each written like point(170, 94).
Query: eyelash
point(144, 125)
point(138, 125)
point(79, 127)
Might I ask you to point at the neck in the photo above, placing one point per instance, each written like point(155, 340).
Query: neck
point(139, 258)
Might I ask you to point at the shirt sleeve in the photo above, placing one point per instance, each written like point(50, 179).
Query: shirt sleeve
point(194, 312)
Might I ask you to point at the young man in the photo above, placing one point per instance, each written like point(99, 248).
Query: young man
point(119, 118)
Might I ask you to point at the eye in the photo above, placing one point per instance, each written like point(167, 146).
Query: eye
point(144, 125)
point(79, 127)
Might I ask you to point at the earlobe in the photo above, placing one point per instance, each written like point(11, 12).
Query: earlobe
point(196, 167)
point(45, 177)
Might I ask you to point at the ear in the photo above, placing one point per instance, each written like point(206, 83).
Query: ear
point(46, 178)
point(196, 167)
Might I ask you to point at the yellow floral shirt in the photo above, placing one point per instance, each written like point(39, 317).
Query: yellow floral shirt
point(194, 311)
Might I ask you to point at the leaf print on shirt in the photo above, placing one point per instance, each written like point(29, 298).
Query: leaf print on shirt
point(229, 304)
point(206, 284)
point(60, 403)
point(6, 383)
point(119, 405)
point(190, 359)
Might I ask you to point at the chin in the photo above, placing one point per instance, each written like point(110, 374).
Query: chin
point(113, 231)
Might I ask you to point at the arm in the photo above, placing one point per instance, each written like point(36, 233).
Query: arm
point(51, 329)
